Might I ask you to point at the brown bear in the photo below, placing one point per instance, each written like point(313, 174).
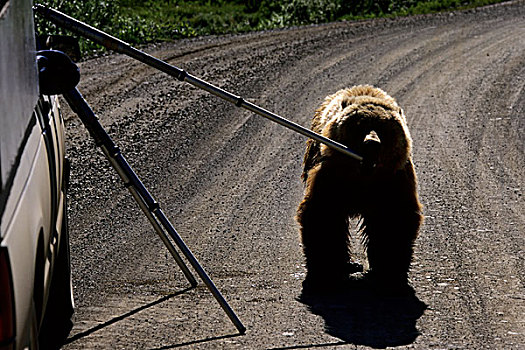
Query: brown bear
point(381, 191)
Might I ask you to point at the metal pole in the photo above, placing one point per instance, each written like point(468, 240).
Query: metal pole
point(144, 198)
point(163, 236)
point(118, 45)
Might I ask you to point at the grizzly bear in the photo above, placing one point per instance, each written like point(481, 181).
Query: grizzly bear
point(380, 191)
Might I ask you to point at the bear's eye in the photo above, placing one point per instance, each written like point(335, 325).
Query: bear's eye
point(344, 104)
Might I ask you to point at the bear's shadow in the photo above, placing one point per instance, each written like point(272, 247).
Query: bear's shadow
point(366, 317)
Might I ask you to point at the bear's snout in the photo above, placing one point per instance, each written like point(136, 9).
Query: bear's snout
point(372, 139)
point(371, 147)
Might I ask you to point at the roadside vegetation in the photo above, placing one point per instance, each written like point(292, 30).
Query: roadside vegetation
point(145, 21)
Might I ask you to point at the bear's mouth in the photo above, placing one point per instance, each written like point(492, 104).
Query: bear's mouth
point(370, 152)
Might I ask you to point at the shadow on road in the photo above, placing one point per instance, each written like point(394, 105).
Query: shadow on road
point(142, 308)
point(200, 341)
point(366, 317)
point(124, 316)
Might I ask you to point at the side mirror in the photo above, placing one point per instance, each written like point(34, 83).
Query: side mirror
point(65, 43)
point(57, 74)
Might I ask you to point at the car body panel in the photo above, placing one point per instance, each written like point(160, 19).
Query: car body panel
point(18, 74)
point(32, 163)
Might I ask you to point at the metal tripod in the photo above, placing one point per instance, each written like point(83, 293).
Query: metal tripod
point(144, 199)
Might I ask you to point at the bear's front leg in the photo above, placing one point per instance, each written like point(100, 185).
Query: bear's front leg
point(390, 245)
point(390, 228)
point(323, 222)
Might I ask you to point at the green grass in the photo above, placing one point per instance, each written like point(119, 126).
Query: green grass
point(144, 21)
point(199, 17)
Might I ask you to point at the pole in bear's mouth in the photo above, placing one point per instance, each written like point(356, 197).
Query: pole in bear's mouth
point(120, 46)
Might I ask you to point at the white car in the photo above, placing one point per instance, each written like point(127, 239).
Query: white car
point(36, 302)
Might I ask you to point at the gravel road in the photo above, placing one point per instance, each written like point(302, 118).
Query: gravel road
point(229, 181)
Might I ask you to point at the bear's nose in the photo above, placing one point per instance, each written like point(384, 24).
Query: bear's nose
point(372, 139)
point(371, 146)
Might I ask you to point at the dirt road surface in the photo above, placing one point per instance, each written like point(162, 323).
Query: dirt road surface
point(229, 182)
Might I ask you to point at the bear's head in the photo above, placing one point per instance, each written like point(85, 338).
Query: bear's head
point(370, 123)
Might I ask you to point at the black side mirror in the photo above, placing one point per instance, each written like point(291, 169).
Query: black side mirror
point(57, 74)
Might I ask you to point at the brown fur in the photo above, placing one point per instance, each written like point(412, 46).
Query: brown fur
point(384, 197)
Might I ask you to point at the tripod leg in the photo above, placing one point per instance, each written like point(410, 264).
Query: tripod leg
point(164, 238)
point(200, 271)
point(142, 195)
point(102, 139)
